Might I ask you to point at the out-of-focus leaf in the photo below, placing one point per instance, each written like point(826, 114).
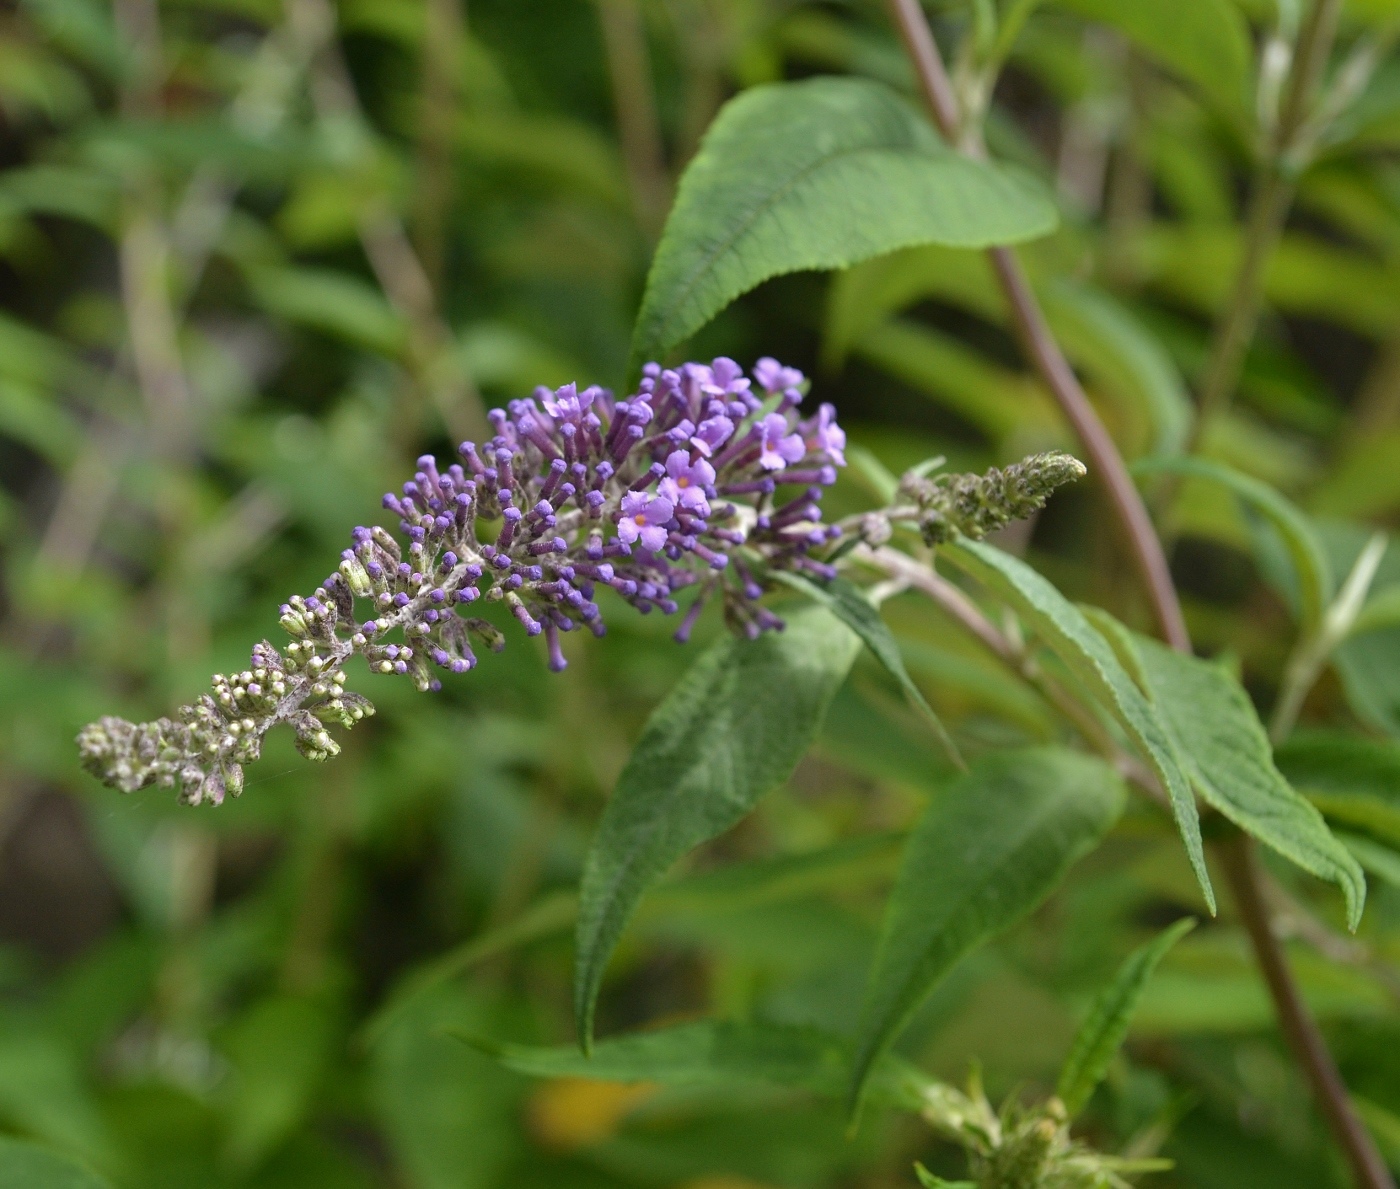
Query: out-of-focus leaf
point(42, 1091)
point(1066, 631)
point(733, 728)
point(995, 400)
point(83, 28)
point(1310, 560)
point(817, 174)
point(1380, 860)
point(1102, 1032)
point(1369, 666)
point(1206, 42)
point(75, 193)
point(1351, 779)
point(848, 603)
point(718, 1054)
point(279, 1049)
point(1120, 355)
point(1222, 744)
point(449, 1112)
point(29, 1166)
point(1365, 482)
point(40, 424)
point(567, 151)
point(334, 302)
point(989, 849)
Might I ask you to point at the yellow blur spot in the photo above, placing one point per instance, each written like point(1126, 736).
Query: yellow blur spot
point(569, 1113)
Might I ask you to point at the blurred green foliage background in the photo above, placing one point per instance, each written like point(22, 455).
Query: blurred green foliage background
point(256, 255)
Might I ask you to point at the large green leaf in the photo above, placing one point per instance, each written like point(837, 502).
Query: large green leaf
point(1224, 747)
point(818, 174)
point(1311, 565)
point(1069, 634)
point(1205, 41)
point(29, 1166)
point(734, 727)
point(718, 1053)
point(1104, 1028)
point(848, 603)
point(988, 851)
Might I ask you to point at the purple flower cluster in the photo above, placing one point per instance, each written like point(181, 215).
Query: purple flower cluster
point(703, 477)
point(674, 486)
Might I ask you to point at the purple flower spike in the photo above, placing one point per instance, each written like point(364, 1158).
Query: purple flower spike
point(779, 446)
point(644, 518)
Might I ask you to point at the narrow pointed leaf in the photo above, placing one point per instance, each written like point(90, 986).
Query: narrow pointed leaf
point(1223, 746)
point(846, 601)
point(818, 174)
point(987, 852)
point(1068, 633)
point(1104, 1028)
point(733, 729)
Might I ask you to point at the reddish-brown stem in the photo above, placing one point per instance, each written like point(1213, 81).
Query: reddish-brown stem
point(1105, 460)
point(1235, 854)
point(1298, 1025)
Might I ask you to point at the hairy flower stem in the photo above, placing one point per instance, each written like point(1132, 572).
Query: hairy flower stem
point(1298, 1026)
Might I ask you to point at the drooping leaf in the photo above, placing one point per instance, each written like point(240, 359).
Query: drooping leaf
point(1104, 1028)
point(818, 174)
point(733, 729)
point(1223, 745)
point(30, 1166)
point(1068, 633)
point(989, 849)
point(1206, 41)
point(1310, 561)
point(718, 1054)
point(845, 601)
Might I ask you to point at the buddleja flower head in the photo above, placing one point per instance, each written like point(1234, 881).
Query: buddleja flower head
point(673, 487)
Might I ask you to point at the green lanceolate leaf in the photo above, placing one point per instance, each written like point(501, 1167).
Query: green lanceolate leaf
point(1104, 1028)
point(846, 601)
point(818, 174)
point(734, 728)
point(1223, 746)
point(30, 1166)
point(1069, 634)
point(1310, 562)
point(988, 851)
point(718, 1053)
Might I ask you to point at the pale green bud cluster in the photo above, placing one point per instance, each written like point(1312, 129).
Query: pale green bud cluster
point(975, 505)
